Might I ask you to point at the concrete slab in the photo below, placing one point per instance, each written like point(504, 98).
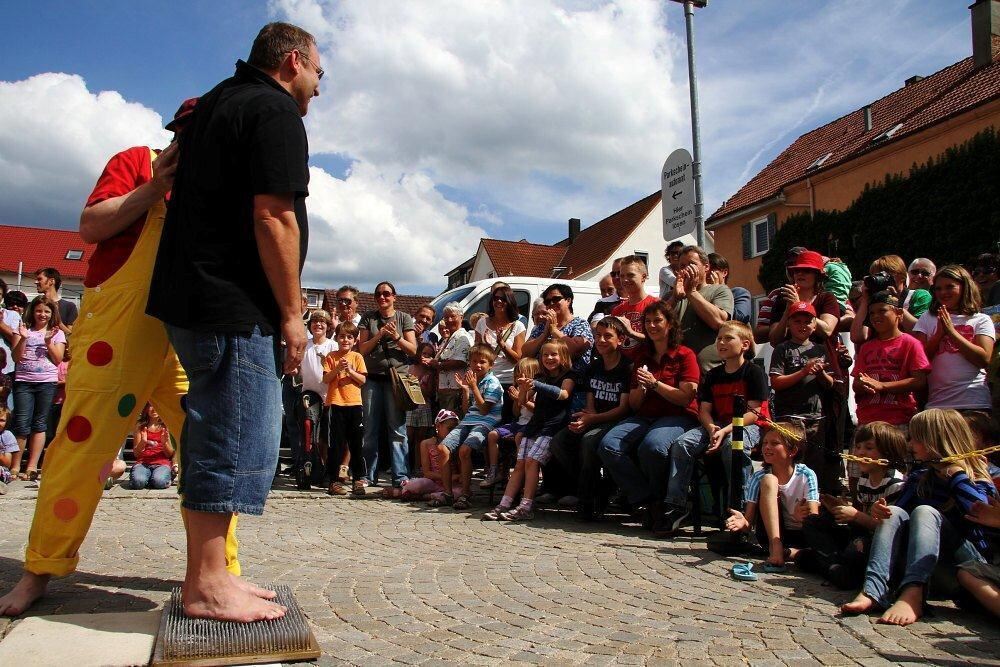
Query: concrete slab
point(82, 640)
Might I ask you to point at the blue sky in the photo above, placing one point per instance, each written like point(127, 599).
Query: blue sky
point(444, 121)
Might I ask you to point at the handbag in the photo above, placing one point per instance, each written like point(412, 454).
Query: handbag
point(405, 387)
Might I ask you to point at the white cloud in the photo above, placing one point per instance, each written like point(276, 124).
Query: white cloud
point(499, 94)
point(55, 138)
point(370, 227)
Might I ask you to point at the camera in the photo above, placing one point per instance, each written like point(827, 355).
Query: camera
point(879, 282)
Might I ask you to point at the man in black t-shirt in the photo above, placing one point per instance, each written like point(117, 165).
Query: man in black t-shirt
point(48, 282)
point(226, 284)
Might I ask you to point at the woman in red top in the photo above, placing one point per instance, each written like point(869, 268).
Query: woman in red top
point(662, 397)
point(153, 451)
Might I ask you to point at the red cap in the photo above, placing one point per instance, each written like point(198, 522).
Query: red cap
point(801, 307)
point(807, 259)
point(183, 111)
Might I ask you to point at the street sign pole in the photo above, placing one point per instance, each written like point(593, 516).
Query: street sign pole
point(695, 129)
point(677, 195)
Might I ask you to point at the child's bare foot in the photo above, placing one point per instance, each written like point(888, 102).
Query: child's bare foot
point(907, 609)
point(23, 595)
point(254, 590)
point(225, 600)
point(859, 605)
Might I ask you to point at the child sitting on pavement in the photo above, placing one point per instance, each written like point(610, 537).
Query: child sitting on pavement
point(8, 445)
point(429, 486)
point(840, 536)
point(779, 496)
point(524, 407)
point(483, 414)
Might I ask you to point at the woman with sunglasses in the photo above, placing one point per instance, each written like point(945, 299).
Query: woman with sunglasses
point(502, 330)
point(557, 321)
point(959, 342)
point(386, 340)
point(986, 272)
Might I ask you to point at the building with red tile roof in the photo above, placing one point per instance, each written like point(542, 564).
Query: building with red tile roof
point(585, 254)
point(828, 168)
point(24, 250)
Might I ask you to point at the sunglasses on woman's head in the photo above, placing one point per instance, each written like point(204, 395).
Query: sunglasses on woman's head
point(499, 297)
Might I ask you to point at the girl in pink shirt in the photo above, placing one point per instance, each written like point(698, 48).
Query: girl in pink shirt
point(153, 453)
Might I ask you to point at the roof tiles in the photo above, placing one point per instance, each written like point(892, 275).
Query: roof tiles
point(38, 248)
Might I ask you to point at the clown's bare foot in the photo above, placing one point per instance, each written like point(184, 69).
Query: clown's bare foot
point(222, 599)
point(253, 589)
point(23, 595)
point(859, 605)
point(907, 609)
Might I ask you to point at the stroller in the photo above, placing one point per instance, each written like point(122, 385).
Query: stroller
point(310, 470)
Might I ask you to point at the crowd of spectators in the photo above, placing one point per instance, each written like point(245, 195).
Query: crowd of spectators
point(626, 410)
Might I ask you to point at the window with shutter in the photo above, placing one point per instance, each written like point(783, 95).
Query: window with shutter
point(757, 236)
point(747, 250)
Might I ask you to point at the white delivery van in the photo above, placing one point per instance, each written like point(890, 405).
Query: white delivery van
point(475, 297)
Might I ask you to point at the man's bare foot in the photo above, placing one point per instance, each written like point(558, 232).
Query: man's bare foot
point(907, 609)
point(253, 589)
point(225, 600)
point(859, 605)
point(23, 595)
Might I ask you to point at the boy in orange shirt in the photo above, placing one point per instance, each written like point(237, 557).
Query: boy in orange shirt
point(344, 371)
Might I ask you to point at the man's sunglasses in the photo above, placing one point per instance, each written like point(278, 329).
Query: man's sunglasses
point(920, 272)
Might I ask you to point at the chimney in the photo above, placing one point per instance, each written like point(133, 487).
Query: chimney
point(574, 228)
point(868, 118)
point(913, 79)
point(985, 32)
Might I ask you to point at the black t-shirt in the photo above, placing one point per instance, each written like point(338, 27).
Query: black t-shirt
point(67, 312)
point(551, 414)
point(245, 138)
point(719, 388)
point(607, 386)
point(805, 396)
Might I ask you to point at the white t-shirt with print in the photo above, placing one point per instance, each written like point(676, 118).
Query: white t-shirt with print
point(312, 365)
point(503, 368)
point(953, 381)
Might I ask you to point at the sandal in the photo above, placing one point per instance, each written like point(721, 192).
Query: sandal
point(461, 503)
point(445, 500)
point(743, 572)
point(494, 514)
point(338, 488)
point(359, 488)
point(31, 474)
point(519, 513)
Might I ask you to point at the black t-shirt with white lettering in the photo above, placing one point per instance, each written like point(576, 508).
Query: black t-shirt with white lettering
point(607, 385)
point(245, 138)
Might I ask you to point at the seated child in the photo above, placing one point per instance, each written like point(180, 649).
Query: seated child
point(800, 379)
point(154, 452)
point(553, 392)
point(736, 375)
point(840, 536)
point(527, 367)
point(429, 486)
point(929, 515)
point(8, 445)
point(779, 496)
point(484, 413)
point(979, 578)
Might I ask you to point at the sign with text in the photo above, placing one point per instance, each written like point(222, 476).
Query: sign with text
point(677, 185)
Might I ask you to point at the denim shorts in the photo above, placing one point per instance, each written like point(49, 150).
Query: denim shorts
point(232, 433)
point(32, 403)
point(471, 435)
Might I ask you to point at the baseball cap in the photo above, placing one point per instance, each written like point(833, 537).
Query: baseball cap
point(886, 297)
point(183, 111)
point(801, 307)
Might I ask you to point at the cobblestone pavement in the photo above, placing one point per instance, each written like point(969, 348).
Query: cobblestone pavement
point(384, 582)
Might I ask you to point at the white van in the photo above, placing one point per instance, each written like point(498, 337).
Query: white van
point(475, 297)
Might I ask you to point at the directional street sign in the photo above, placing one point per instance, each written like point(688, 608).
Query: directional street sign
point(677, 181)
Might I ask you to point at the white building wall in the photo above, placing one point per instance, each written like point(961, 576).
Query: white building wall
point(72, 288)
point(483, 268)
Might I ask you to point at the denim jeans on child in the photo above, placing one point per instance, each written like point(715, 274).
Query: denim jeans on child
point(32, 403)
point(232, 432)
point(927, 535)
point(383, 416)
point(154, 477)
point(693, 444)
point(650, 441)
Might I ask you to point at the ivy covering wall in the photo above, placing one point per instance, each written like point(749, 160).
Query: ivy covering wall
point(947, 209)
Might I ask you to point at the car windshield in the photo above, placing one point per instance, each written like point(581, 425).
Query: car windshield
point(443, 300)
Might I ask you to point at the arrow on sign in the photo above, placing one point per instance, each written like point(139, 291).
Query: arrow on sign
point(677, 194)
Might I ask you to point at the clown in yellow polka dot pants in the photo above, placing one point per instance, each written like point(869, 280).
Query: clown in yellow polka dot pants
point(121, 360)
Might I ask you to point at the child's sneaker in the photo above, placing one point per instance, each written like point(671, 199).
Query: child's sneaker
point(492, 477)
point(359, 488)
point(495, 513)
point(519, 513)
